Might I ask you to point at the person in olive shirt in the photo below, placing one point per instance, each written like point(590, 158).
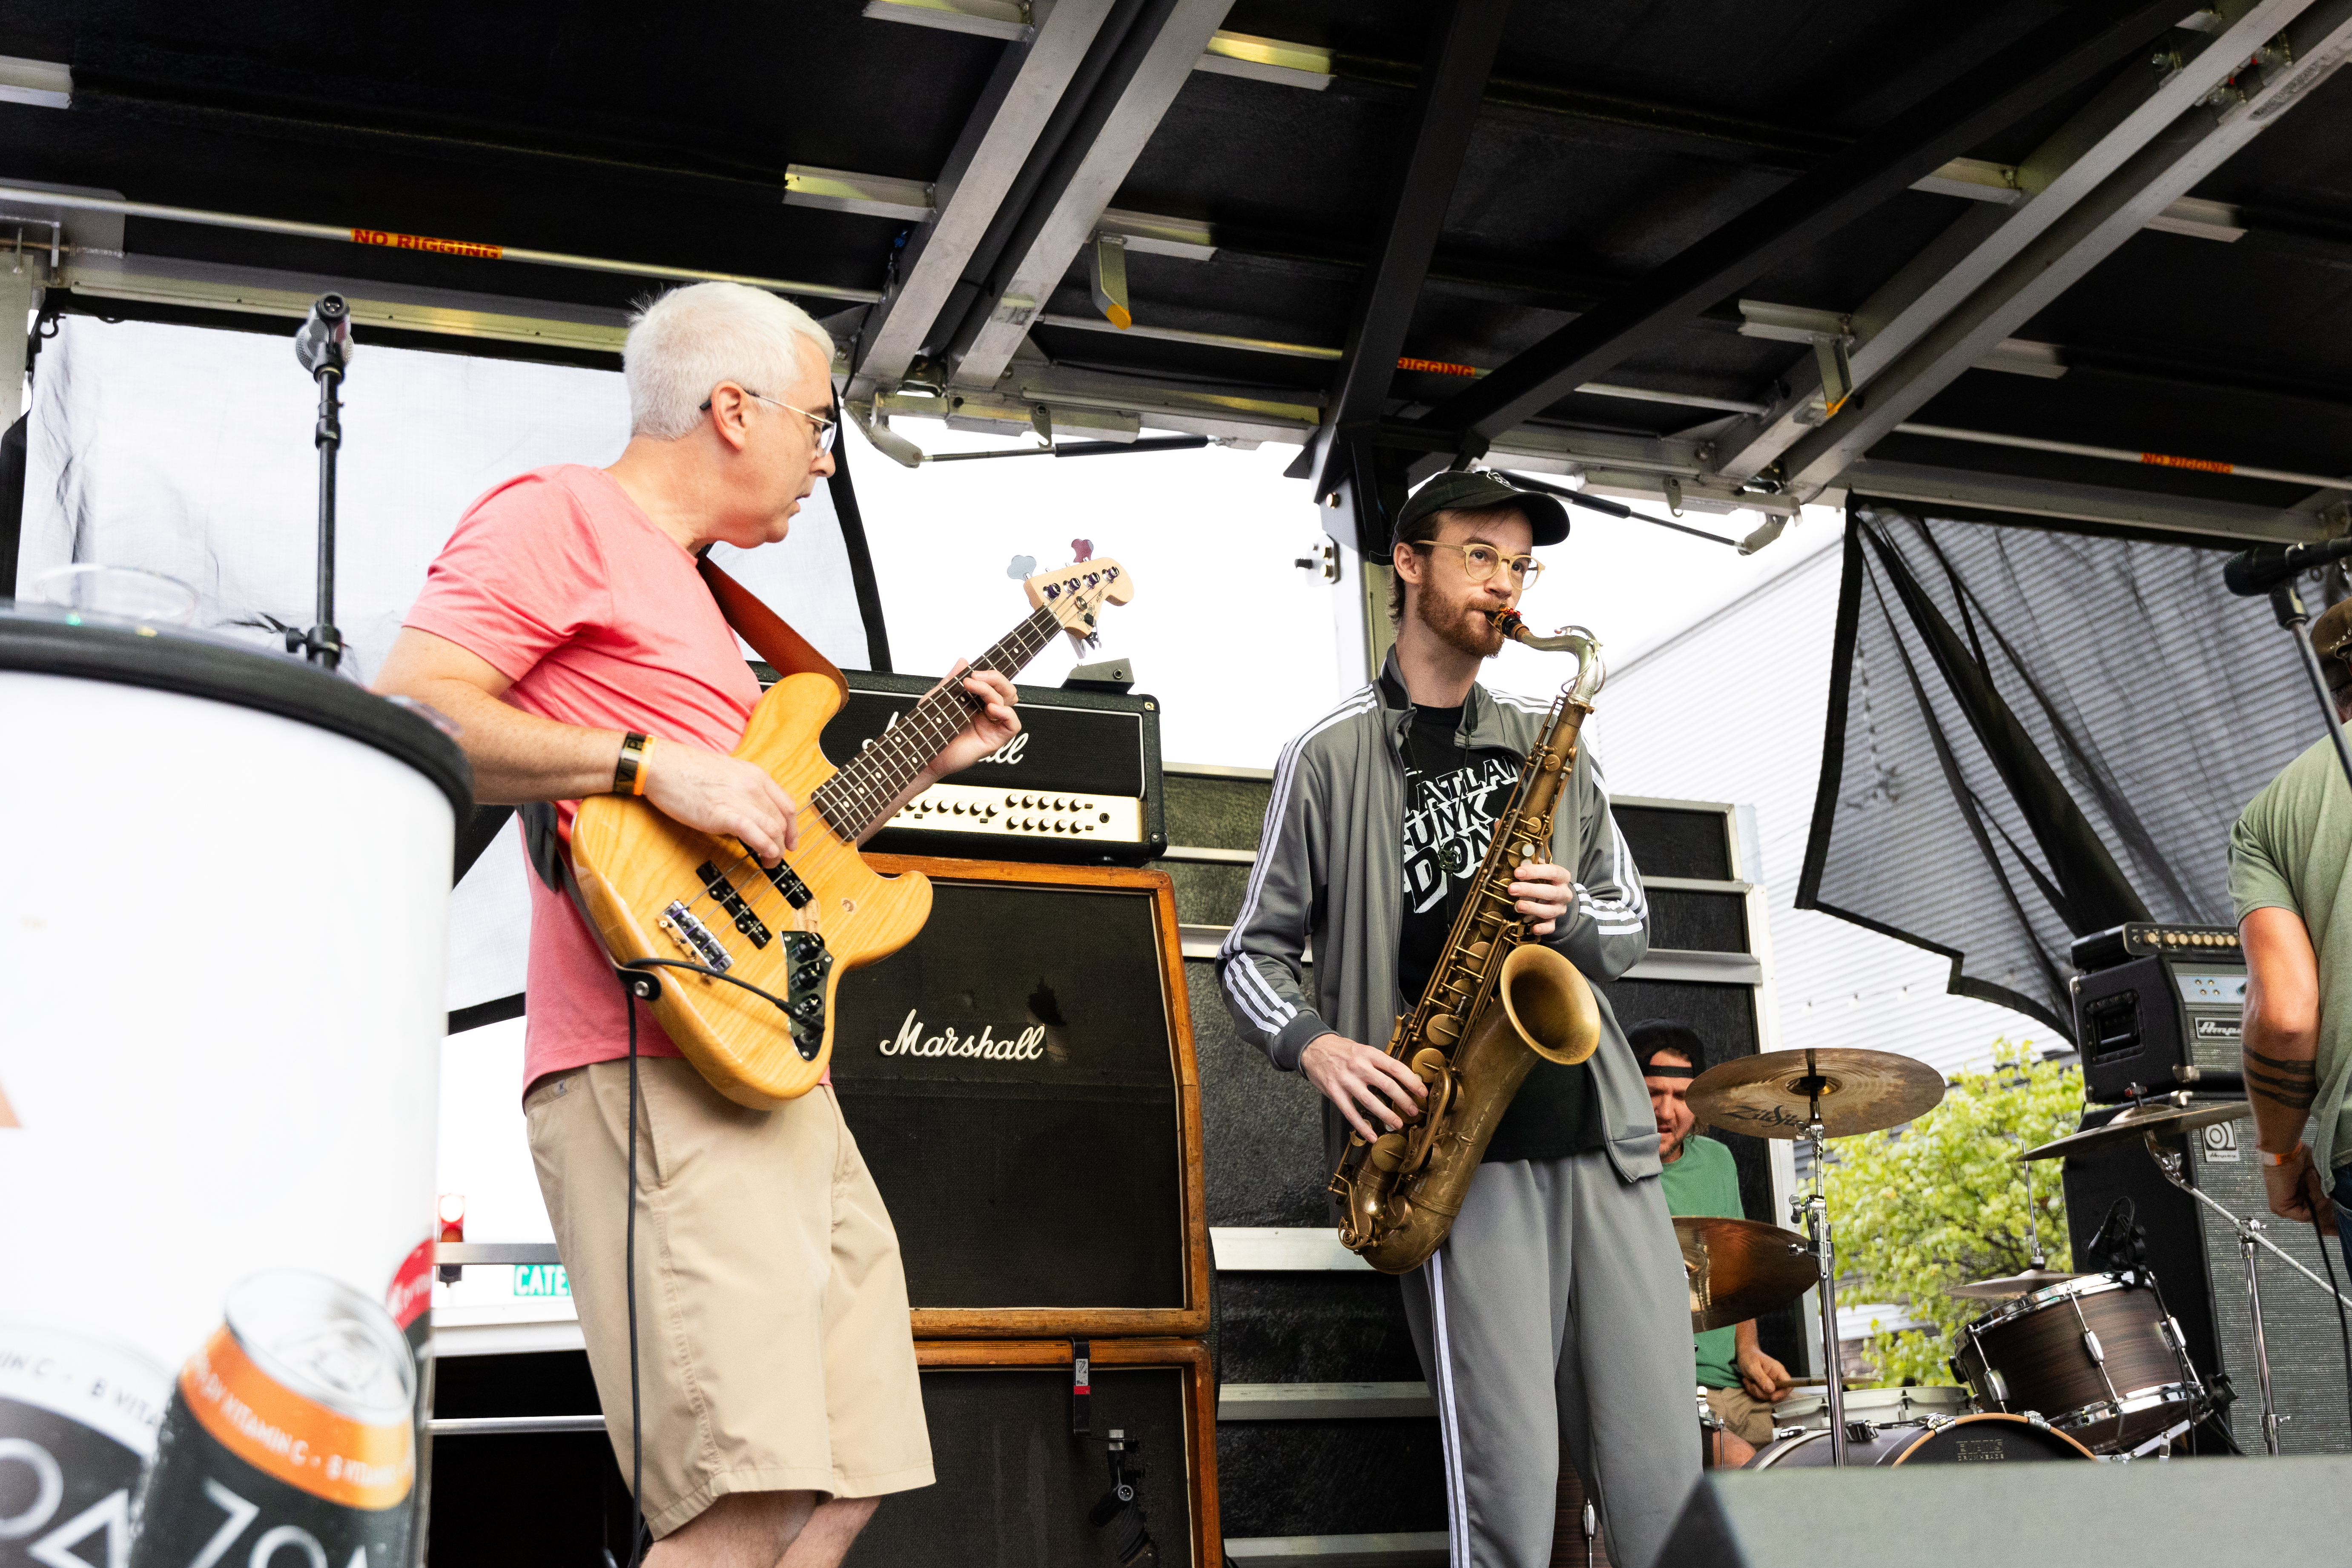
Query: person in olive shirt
point(1742, 1382)
point(2290, 878)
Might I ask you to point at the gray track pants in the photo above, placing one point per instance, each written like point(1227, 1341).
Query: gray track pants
point(1556, 1311)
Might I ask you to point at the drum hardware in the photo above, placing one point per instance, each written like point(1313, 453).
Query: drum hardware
point(2250, 1236)
point(1840, 1092)
point(2173, 1114)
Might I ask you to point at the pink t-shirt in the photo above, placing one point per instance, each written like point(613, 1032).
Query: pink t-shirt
point(600, 619)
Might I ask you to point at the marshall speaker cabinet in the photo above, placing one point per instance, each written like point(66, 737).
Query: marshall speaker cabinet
point(1020, 1078)
point(1080, 783)
point(525, 1473)
point(1028, 1470)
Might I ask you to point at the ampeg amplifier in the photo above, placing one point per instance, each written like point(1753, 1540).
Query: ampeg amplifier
point(2200, 1268)
point(1080, 783)
point(2158, 1007)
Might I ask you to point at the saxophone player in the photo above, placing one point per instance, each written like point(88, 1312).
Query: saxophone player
point(1555, 1313)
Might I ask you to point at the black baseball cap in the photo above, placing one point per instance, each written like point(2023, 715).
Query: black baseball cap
point(1477, 490)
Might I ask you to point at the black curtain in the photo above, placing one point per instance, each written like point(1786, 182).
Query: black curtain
point(861, 558)
point(12, 503)
point(2036, 734)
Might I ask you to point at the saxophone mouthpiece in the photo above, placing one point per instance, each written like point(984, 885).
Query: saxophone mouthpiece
point(1509, 623)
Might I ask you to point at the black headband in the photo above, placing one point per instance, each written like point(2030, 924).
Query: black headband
point(1657, 1069)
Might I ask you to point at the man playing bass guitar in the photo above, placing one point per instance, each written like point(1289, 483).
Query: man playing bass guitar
point(566, 630)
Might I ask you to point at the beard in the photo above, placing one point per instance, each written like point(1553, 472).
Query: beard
point(1459, 625)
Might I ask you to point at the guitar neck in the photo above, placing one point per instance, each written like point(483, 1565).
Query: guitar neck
point(870, 782)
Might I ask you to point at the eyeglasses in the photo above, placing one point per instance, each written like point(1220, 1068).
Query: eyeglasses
point(827, 423)
point(1479, 561)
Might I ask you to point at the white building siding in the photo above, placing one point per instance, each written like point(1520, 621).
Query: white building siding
point(1734, 710)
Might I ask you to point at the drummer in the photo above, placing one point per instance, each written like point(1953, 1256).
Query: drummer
point(1742, 1382)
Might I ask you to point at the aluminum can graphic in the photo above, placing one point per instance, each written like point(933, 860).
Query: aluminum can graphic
point(290, 1440)
point(77, 1419)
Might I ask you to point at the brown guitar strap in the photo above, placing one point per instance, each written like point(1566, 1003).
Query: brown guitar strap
point(770, 637)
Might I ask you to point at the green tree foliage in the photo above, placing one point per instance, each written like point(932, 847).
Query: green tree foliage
point(1943, 1201)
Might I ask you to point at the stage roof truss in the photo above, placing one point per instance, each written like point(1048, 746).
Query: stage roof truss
point(1574, 269)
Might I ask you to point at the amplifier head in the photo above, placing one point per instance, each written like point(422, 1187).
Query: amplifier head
point(1020, 1079)
point(2145, 1020)
point(2152, 939)
point(1080, 783)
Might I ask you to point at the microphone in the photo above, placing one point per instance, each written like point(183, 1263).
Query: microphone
point(2251, 574)
point(325, 341)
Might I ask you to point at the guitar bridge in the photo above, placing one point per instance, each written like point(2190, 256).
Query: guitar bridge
point(694, 937)
point(723, 894)
point(807, 963)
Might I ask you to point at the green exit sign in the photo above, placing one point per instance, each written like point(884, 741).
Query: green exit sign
point(541, 1280)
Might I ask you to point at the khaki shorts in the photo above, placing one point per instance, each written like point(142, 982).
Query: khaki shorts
point(775, 1348)
point(1747, 1417)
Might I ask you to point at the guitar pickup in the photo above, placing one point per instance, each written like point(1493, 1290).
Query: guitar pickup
point(693, 936)
point(807, 962)
point(723, 894)
point(788, 882)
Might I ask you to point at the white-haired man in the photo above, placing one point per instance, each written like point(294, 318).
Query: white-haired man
point(567, 631)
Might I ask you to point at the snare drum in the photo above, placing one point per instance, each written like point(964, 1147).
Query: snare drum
point(1967, 1440)
point(1883, 1406)
point(2097, 1356)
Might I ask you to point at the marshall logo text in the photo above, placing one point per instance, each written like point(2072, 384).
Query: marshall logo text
point(1026, 1046)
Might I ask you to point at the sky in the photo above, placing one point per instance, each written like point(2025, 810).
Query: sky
point(1243, 647)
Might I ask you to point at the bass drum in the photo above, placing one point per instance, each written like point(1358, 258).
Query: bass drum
point(1969, 1440)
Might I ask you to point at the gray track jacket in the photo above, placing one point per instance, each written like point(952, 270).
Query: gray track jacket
point(1330, 867)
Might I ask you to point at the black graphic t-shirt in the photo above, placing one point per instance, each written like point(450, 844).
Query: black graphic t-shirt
point(1451, 796)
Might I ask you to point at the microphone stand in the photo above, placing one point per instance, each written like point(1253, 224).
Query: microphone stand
point(323, 644)
point(2286, 603)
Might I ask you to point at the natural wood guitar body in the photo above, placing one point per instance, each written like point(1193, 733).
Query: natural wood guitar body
point(632, 862)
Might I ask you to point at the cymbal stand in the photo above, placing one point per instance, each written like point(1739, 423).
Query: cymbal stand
point(2250, 1236)
point(1814, 1209)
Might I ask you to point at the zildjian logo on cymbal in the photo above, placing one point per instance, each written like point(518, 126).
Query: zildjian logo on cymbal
point(1771, 1116)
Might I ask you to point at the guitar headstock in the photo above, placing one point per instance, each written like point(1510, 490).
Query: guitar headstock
point(1075, 593)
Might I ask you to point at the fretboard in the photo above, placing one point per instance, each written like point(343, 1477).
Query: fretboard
point(868, 782)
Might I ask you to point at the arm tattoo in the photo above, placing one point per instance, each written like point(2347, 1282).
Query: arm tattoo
point(2296, 1094)
point(2285, 1065)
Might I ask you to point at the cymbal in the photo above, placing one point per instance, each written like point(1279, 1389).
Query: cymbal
point(2014, 1285)
point(1771, 1095)
point(2170, 1117)
point(1738, 1268)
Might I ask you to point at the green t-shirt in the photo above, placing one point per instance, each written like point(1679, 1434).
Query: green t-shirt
point(2292, 849)
point(1705, 1181)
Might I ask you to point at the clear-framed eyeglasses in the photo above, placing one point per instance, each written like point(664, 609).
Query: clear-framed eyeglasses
point(827, 424)
point(1479, 561)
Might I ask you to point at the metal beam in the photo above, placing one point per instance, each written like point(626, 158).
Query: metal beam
point(1924, 484)
point(1446, 110)
point(1019, 99)
point(2196, 143)
point(2055, 58)
point(1043, 250)
point(2066, 168)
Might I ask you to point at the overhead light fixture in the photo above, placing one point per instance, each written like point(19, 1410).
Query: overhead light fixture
point(44, 84)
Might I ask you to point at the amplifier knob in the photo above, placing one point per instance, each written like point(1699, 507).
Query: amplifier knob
point(1026, 800)
point(1059, 803)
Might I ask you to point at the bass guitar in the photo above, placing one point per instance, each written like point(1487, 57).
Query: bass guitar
point(748, 955)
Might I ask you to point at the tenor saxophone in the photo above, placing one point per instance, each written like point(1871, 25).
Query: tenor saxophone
point(1495, 1004)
